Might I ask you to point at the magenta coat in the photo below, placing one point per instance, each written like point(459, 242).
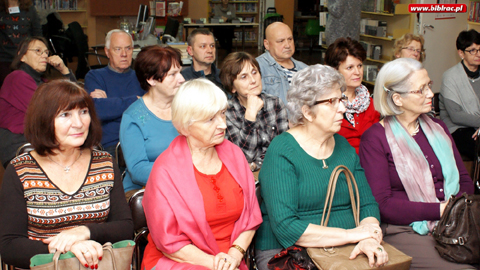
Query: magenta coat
point(174, 204)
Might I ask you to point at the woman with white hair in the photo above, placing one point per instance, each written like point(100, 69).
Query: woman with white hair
point(411, 163)
point(200, 201)
point(295, 173)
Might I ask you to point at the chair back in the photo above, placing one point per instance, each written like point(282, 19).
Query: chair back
point(139, 226)
point(24, 149)
point(101, 59)
point(136, 208)
point(119, 156)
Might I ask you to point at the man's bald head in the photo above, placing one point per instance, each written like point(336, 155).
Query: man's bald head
point(279, 41)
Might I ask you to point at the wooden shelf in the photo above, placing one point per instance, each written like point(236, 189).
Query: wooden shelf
point(375, 37)
point(473, 23)
point(68, 10)
point(378, 13)
point(381, 61)
point(233, 2)
point(246, 13)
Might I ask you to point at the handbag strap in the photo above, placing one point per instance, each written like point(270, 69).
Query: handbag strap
point(107, 247)
point(351, 183)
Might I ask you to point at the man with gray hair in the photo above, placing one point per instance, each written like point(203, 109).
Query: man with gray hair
point(201, 47)
point(114, 87)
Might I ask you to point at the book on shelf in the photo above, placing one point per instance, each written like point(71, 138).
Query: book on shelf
point(382, 6)
point(160, 9)
point(56, 4)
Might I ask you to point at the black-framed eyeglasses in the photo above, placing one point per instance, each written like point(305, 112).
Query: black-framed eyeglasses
point(421, 91)
point(472, 51)
point(412, 49)
point(332, 101)
point(40, 52)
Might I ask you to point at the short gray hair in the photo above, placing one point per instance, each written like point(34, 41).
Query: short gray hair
point(394, 77)
point(196, 100)
point(307, 85)
point(108, 38)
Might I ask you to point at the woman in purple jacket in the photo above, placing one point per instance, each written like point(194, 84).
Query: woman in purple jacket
point(17, 90)
point(411, 163)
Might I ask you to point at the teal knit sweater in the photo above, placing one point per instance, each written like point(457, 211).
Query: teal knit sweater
point(294, 185)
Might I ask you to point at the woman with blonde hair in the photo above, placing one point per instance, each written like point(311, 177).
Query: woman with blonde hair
point(200, 201)
point(411, 46)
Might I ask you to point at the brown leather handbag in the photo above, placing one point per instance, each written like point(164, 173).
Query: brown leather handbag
point(338, 257)
point(458, 231)
point(115, 257)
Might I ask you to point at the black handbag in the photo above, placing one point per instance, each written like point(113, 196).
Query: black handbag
point(292, 258)
point(458, 231)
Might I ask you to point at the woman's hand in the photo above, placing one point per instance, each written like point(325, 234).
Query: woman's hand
point(88, 253)
point(371, 248)
point(66, 239)
point(365, 231)
point(58, 64)
point(254, 105)
point(223, 261)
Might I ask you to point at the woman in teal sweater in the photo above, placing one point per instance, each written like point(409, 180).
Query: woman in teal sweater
point(296, 170)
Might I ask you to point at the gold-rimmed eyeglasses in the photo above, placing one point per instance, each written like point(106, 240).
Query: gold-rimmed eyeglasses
point(412, 49)
point(421, 91)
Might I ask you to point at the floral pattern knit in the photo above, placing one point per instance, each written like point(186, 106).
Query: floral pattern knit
point(50, 210)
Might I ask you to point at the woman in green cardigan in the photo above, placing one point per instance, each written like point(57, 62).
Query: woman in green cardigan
point(296, 170)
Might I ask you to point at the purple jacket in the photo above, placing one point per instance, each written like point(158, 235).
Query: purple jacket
point(395, 207)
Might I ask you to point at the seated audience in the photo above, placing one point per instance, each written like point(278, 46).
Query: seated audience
point(347, 55)
point(201, 47)
point(29, 66)
point(253, 118)
point(411, 163)
point(200, 201)
point(146, 129)
point(63, 172)
point(19, 20)
point(295, 173)
point(277, 64)
point(460, 94)
point(410, 46)
point(115, 87)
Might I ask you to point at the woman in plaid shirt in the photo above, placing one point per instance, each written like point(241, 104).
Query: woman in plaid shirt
point(253, 118)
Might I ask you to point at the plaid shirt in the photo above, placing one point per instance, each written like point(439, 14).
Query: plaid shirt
point(255, 137)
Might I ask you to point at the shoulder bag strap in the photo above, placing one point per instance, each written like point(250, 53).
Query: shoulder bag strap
point(351, 183)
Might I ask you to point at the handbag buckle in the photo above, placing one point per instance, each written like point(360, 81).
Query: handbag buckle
point(330, 250)
point(461, 241)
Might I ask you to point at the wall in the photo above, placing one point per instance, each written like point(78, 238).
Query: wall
point(286, 8)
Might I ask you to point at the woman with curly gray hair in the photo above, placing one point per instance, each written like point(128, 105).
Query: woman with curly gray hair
point(295, 174)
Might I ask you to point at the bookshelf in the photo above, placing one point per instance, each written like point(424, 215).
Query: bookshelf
point(398, 22)
point(247, 11)
point(69, 10)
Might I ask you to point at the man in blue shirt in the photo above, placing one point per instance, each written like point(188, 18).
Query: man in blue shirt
point(201, 47)
point(115, 87)
point(277, 64)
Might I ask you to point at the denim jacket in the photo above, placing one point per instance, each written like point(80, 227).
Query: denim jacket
point(274, 79)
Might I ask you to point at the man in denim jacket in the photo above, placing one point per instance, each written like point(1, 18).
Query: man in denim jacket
point(277, 64)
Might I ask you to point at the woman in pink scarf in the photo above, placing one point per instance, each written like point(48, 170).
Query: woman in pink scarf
point(200, 200)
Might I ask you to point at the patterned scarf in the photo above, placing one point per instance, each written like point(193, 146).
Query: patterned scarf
point(359, 104)
point(408, 158)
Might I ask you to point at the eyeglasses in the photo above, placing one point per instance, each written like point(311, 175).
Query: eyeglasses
point(421, 91)
point(412, 49)
point(40, 52)
point(472, 51)
point(119, 49)
point(333, 101)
